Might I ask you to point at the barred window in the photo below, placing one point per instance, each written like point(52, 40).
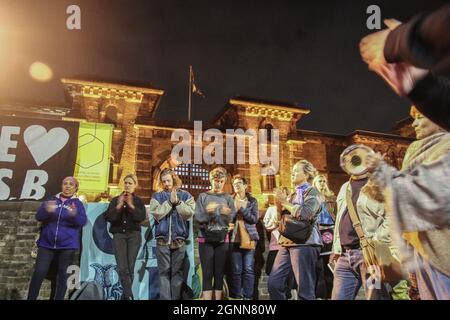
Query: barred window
point(195, 179)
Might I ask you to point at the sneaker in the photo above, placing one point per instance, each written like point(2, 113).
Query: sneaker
point(293, 294)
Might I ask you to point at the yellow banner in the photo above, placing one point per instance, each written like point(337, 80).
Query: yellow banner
point(93, 156)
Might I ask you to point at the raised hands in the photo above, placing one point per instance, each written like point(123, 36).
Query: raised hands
point(129, 200)
point(401, 77)
point(371, 47)
point(73, 210)
point(240, 203)
point(120, 202)
point(280, 196)
point(125, 198)
point(225, 209)
point(51, 206)
point(211, 207)
point(237, 204)
point(173, 196)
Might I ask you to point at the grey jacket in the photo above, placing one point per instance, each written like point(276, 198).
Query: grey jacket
point(310, 209)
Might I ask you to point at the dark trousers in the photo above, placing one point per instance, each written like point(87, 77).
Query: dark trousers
point(64, 258)
point(302, 260)
point(170, 268)
point(243, 273)
point(270, 260)
point(126, 248)
point(324, 284)
point(212, 258)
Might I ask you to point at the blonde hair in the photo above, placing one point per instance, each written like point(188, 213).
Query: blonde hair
point(133, 177)
point(308, 169)
point(218, 173)
point(328, 192)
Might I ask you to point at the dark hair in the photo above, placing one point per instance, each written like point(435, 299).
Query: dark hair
point(239, 177)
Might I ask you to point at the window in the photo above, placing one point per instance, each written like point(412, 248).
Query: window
point(195, 179)
point(269, 180)
point(269, 183)
point(269, 129)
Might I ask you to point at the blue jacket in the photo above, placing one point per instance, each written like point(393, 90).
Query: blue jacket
point(61, 230)
point(325, 218)
point(171, 219)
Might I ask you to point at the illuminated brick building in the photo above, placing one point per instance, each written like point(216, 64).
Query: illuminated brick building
point(142, 144)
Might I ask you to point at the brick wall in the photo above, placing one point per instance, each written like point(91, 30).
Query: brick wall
point(18, 230)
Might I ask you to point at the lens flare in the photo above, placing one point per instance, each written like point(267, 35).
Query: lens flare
point(40, 72)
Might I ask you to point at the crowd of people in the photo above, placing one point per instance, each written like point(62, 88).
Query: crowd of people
point(386, 231)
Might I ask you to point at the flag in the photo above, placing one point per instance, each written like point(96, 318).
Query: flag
point(195, 89)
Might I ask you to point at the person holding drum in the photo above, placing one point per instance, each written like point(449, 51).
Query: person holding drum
point(360, 218)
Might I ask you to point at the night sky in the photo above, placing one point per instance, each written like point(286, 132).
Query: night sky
point(303, 52)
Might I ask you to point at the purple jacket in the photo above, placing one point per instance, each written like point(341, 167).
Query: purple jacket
point(60, 230)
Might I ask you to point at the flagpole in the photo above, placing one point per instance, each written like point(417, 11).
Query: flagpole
point(190, 93)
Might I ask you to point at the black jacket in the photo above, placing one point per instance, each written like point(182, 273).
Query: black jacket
point(125, 219)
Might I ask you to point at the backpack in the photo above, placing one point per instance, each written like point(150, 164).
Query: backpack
point(89, 290)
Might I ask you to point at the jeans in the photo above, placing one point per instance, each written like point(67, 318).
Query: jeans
point(350, 273)
point(243, 273)
point(170, 268)
point(433, 285)
point(126, 248)
point(290, 281)
point(43, 261)
point(302, 260)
